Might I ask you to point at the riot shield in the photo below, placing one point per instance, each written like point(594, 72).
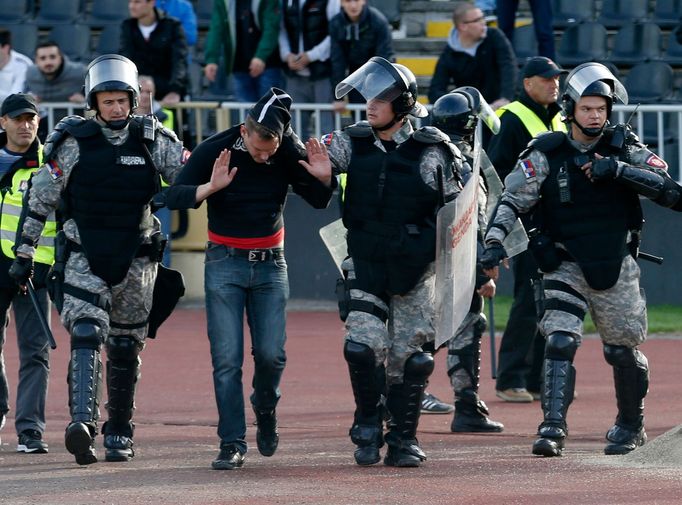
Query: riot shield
point(334, 237)
point(517, 240)
point(456, 226)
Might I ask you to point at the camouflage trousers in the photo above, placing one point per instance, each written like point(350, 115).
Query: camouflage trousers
point(410, 324)
point(619, 313)
point(130, 300)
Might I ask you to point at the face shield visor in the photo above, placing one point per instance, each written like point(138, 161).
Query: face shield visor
point(375, 80)
point(588, 73)
point(482, 109)
point(111, 72)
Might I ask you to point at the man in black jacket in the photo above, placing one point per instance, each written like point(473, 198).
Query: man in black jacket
point(477, 56)
point(244, 174)
point(535, 111)
point(158, 47)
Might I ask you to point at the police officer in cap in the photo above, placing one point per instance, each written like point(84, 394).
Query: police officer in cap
point(457, 114)
point(101, 173)
point(585, 185)
point(391, 199)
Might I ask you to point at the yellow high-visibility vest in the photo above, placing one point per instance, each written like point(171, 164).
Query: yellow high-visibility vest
point(530, 120)
point(11, 201)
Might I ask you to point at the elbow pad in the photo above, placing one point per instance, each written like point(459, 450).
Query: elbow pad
point(661, 189)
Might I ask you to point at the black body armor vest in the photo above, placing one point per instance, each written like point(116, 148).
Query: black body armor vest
point(593, 226)
point(390, 215)
point(108, 191)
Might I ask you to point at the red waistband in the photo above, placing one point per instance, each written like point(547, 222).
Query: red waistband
point(274, 240)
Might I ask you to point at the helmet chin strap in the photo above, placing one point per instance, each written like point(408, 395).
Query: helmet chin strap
point(390, 124)
point(589, 132)
point(115, 125)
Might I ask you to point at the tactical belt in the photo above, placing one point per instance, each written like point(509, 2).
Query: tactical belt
point(368, 307)
point(87, 296)
point(256, 255)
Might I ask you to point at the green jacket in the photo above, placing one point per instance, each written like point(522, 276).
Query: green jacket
point(221, 33)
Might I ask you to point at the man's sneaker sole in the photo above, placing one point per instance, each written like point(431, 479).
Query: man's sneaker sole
point(31, 450)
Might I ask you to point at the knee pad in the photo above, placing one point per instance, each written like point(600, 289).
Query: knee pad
point(419, 366)
point(624, 357)
point(359, 354)
point(86, 334)
point(561, 346)
point(123, 347)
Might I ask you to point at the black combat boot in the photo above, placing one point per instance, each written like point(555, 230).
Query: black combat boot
point(123, 371)
point(631, 378)
point(85, 375)
point(471, 415)
point(557, 395)
point(367, 381)
point(404, 403)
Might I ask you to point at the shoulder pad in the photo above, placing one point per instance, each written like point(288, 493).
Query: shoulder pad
point(60, 133)
point(359, 129)
point(430, 135)
point(544, 142)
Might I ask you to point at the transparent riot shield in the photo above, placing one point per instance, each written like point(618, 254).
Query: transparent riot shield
point(517, 240)
point(334, 237)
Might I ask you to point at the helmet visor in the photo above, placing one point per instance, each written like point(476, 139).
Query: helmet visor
point(587, 73)
point(482, 109)
point(114, 69)
point(376, 79)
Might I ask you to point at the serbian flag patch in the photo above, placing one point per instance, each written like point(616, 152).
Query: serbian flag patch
point(656, 162)
point(54, 169)
point(527, 168)
point(327, 139)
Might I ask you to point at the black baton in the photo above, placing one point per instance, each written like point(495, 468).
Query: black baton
point(41, 317)
point(650, 257)
point(491, 323)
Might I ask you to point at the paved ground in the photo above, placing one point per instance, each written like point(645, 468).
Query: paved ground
point(176, 438)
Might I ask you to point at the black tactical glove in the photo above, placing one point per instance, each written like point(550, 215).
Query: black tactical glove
point(21, 270)
point(604, 169)
point(492, 255)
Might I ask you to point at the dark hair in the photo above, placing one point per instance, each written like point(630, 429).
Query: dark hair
point(5, 37)
point(48, 43)
point(262, 131)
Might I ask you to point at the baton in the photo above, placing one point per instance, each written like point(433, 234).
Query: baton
point(491, 323)
point(650, 257)
point(41, 317)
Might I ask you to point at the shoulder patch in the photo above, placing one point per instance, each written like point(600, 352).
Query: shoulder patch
point(656, 162)
point(54, 169)
point(430, 135)
point(528, 169)
point(327, 139)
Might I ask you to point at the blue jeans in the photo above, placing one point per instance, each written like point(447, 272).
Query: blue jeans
point(233, 283)
point(249, 89)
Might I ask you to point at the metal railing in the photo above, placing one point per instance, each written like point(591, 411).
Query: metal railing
point(659, 125)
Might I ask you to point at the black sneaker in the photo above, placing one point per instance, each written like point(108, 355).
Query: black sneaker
point(31, 441)
point(229, 458)
point(267, 436)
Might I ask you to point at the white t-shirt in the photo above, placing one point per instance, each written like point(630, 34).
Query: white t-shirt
point(147, 30)
point(13, 75)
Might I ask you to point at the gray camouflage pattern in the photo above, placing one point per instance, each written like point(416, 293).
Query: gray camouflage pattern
point(464, 336)
point(131, 299)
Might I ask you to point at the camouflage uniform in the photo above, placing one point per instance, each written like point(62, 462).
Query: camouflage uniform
point(130, 300)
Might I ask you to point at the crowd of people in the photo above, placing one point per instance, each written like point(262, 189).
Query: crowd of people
point(570, 175)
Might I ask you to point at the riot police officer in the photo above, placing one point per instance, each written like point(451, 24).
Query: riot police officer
point(585, 185)
point(391, 199)
point(101, 173)
point(456, 114)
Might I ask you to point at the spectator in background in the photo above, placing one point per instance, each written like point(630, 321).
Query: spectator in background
point(244, 33)
point(13, 66)
point(157, 45)
point(183, 11)
point(475, 55)
point(542, 22)
point(54, 78)
point(489, 9)
point(357, 33)
point(305, 45)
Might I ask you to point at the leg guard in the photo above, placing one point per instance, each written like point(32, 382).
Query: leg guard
point(84, 377)
point(367, 381)
point(404, 403)
point(123, 370)
point(471, 413)
point(557, 393)
point(631, 379)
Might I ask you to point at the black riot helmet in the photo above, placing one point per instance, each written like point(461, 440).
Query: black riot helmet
point(111, 72)
point(382, 80)
point(454, 114)
point(591, 79)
